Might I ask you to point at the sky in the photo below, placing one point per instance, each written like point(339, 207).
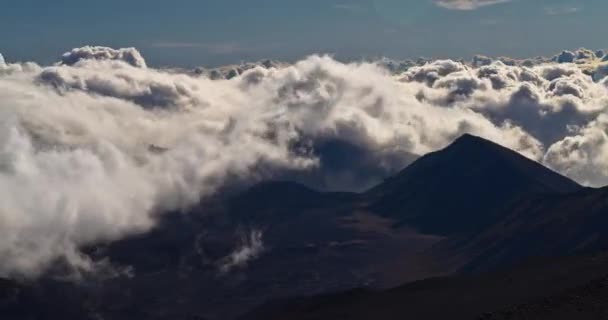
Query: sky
point(215, 32)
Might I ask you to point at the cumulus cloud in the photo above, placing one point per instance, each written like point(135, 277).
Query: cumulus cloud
point(80, 164)
point(128, 55)
point(467, 4)
point(231, 71)
point(583, 156)
point(565, 57)
point(481, 60)
point(94, 148)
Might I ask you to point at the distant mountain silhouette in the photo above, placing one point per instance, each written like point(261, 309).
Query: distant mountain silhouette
point(277, 195)
point(345, 166)
point(459, 189)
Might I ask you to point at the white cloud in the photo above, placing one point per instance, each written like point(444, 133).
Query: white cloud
point(467, 4)
point(583, 155)
point(95, 148)
point(250, 248)
point(128, 55)
point(561, 10)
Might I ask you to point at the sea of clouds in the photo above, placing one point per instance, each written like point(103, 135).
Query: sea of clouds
point(96, 146)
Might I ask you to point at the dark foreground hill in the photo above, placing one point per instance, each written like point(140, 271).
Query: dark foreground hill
point(589, 301)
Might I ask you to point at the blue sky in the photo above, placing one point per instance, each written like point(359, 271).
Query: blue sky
point(213, 32)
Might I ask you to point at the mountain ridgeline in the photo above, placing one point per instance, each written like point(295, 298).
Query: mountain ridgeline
point(522, 242)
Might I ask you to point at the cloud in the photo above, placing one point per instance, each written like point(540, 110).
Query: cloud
point(561, 10)
point(128, 55)
point(250, 248)
point(566, 57)
point(96, 147)
point(350, 7)
point(214, 48)
point(231, 71)
point(583, 155)
point(467, 4)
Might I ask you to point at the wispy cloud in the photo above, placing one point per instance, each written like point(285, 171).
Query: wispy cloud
point(351, 7)
point(250, 248)
point(561, 10)
point(489, 22)
point(467, 4)
point(214, 48)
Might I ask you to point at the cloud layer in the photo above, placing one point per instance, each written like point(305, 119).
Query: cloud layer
point(467, 4)
point(95, 147)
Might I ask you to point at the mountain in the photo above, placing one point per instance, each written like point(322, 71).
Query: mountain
point(316, 242)
point(587, 301)
point(41, 300)
point(537, 225)
point(564, 288)
point(310, 242)
point(282, 199)
point(461, 208)
point(459, 189)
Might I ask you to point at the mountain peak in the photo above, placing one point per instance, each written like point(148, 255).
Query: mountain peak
point(468, 140)
point(458, 188)
point(468, 137)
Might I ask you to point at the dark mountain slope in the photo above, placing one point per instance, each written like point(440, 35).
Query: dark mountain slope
point(459, 188)
point(537, 225)
point(312, 242)
point(283, 199)
point(490, 296)
point(586, 302)
point(43, 300)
